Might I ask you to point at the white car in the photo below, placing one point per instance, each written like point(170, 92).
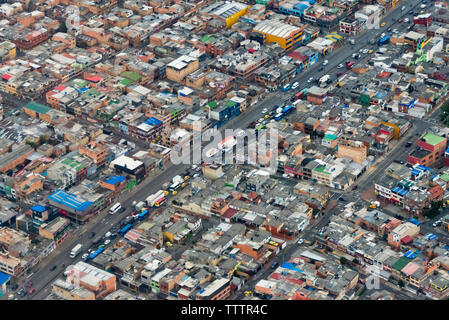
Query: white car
point(84, 256)
point(406, 20)
point(437, 223)
point(365, 51)
point(423, 6)
point(310, 80)
point(107, 242)
point(265, 110)
point(240, 133)
point(301, 241)
point(382, 35)
point(295, 85)
point(340, 66)
point(325, 62)
point(107, 234)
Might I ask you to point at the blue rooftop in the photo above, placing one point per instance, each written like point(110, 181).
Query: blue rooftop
point(290, 266)
point(115, 180)
point(300, 6)
point(38, 208)
point(69, 200)
point(4, 278)
point(153, 121)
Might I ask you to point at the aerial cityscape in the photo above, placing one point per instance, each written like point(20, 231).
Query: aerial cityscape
point(249, 150)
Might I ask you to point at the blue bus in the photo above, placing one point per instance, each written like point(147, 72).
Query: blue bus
point(143, 215)
point(126, 229)
point(384, 40)
point(96, 253)
point(287, 110)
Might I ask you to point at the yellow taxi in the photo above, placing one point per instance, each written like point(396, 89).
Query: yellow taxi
point(267, 116)
point(370, 51)
point(168, 243)
point(383, 24)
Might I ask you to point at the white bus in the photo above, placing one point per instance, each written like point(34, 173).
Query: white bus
point(116, 207)
point(76, 250)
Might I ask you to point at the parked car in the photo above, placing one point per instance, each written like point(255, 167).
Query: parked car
point(30, 284)
point(340, 66)
point(53, 268)
point(22, 293)
point(31, 291)
point(437, 223)
point(342, 199)
point(301, 241)
point(85, 256)
point(274, 265)
point(107, 242)
point(339, 74)
point(265, 110)
point(408, 144)
point(310, 80)
point(107, 234)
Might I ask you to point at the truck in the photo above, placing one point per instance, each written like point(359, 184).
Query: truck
point(177, 178)
point(151, 200)
point(139, 205)
point(76, 250)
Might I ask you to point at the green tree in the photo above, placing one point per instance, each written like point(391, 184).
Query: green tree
point(32, 144)
point(62, 27)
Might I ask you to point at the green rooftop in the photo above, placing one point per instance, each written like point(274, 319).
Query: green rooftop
point(230, 103)
point(207, 39)
point(79, 82)
point(401, 263)
point(37, 107)
point(445, 177)
point(432, 139)
point(321, 169)
point(133, 76)
point(126, 82)
point(212, 104)
point(330, 137)
point(91, 92)
point(74, 164)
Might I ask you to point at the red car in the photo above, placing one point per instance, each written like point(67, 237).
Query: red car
point(339, 73)
point(29, 284)
point(400, 20)
point(32, 291)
